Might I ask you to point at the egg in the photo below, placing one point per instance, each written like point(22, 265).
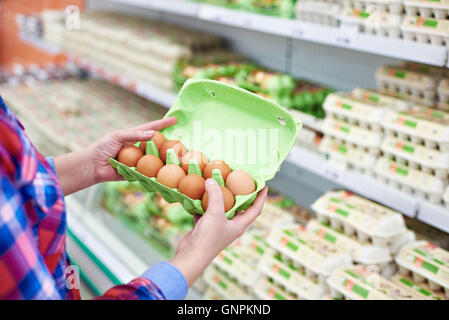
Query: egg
point(129, 155)
point(240, 183)
point(158, 139)
point(228, 199)
point(177, 145)
point(216, 164)
point(199, 156)
point(170, 175)
point(192, 186)
point(149, 165)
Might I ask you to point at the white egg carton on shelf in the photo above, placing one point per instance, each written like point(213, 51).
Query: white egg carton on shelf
point(415, 86)
point(419, 183)
point(356, 217)
point(311, 254)
point(377, 97)
point(446, 197)
point(272, 216)
point(427, 8)
point(416, 156)
point(267, 289)
point(392, 6)
point(365, 139)
point(292, 279)
point(365, 113)
point(426, 30)
point(443, 91)
point(322, 12)
point(361, 283)
point(224, 285)
point(361, 253)
point(420, 125)
point(340, 151)
point(426, 263)
point(372, 21)
point(421, 289)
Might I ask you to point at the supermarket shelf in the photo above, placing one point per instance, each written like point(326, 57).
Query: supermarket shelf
point(436, 216)
point(153, 93)
point(355, 181)
point(395, 48)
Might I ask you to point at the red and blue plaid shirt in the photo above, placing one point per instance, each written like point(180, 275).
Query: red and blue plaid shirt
point(33, 256)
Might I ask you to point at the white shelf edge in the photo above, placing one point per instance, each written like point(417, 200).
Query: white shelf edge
point(357, 182)
point(434, 215)
point(395, 48)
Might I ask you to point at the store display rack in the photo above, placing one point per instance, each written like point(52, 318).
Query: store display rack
point(435, 215)
point(395, 48)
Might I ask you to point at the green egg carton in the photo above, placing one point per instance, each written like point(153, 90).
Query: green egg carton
point(208, 113)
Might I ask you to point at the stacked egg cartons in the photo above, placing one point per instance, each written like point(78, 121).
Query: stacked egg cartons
point(426, 21)
point(137, 48)
point(373, 226)
point(416, 152)
point(231, 273)
point(381, 17)
point(322, 12)
point(425, 265)
point(443, 95)
point(63, 109)
point(414, 85)
point(301, 262)
point(364, 283)
point(352, 129)
point(53, 26)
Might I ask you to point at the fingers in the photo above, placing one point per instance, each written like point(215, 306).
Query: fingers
point(245, 219)
point(157, 125)
point(215, 198)
point(132, 135)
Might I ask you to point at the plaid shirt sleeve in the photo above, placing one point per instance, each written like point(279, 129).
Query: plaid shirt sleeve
point(33, 256)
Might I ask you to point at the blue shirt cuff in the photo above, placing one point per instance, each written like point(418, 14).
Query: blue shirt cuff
point(169, 279)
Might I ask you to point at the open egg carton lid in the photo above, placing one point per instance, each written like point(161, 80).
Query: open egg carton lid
point(272, 216)
point(267, 290)
point(362, 283)
point(363, 253)
point(368, 217)
point(428, 261)
point(290, 277)
point(224, 285)
point(308, 250)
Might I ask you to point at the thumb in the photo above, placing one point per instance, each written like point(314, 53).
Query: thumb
point(215, 204)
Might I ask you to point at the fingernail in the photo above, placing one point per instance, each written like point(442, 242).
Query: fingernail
point(210, 182)
point(149, 133)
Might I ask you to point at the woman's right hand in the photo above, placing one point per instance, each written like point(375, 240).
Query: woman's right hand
point(212, 233)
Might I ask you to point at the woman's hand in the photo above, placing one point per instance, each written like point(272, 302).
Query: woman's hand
point(212, 233)
point(82, 169)
point(110, 145)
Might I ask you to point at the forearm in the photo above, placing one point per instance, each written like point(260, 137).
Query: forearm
point(75, 171)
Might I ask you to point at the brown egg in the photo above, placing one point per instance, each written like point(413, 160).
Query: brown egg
point(129, 155)
point(149, 165)
point(198, 155)
point(158, 139)
point(170, 175)
point(240, 183)
point(228, 199)
point(192, 186)
point(216, 164)
point(177, 145)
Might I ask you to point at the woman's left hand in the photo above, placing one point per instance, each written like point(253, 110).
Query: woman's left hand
point(110, 145)
point(82, 169)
